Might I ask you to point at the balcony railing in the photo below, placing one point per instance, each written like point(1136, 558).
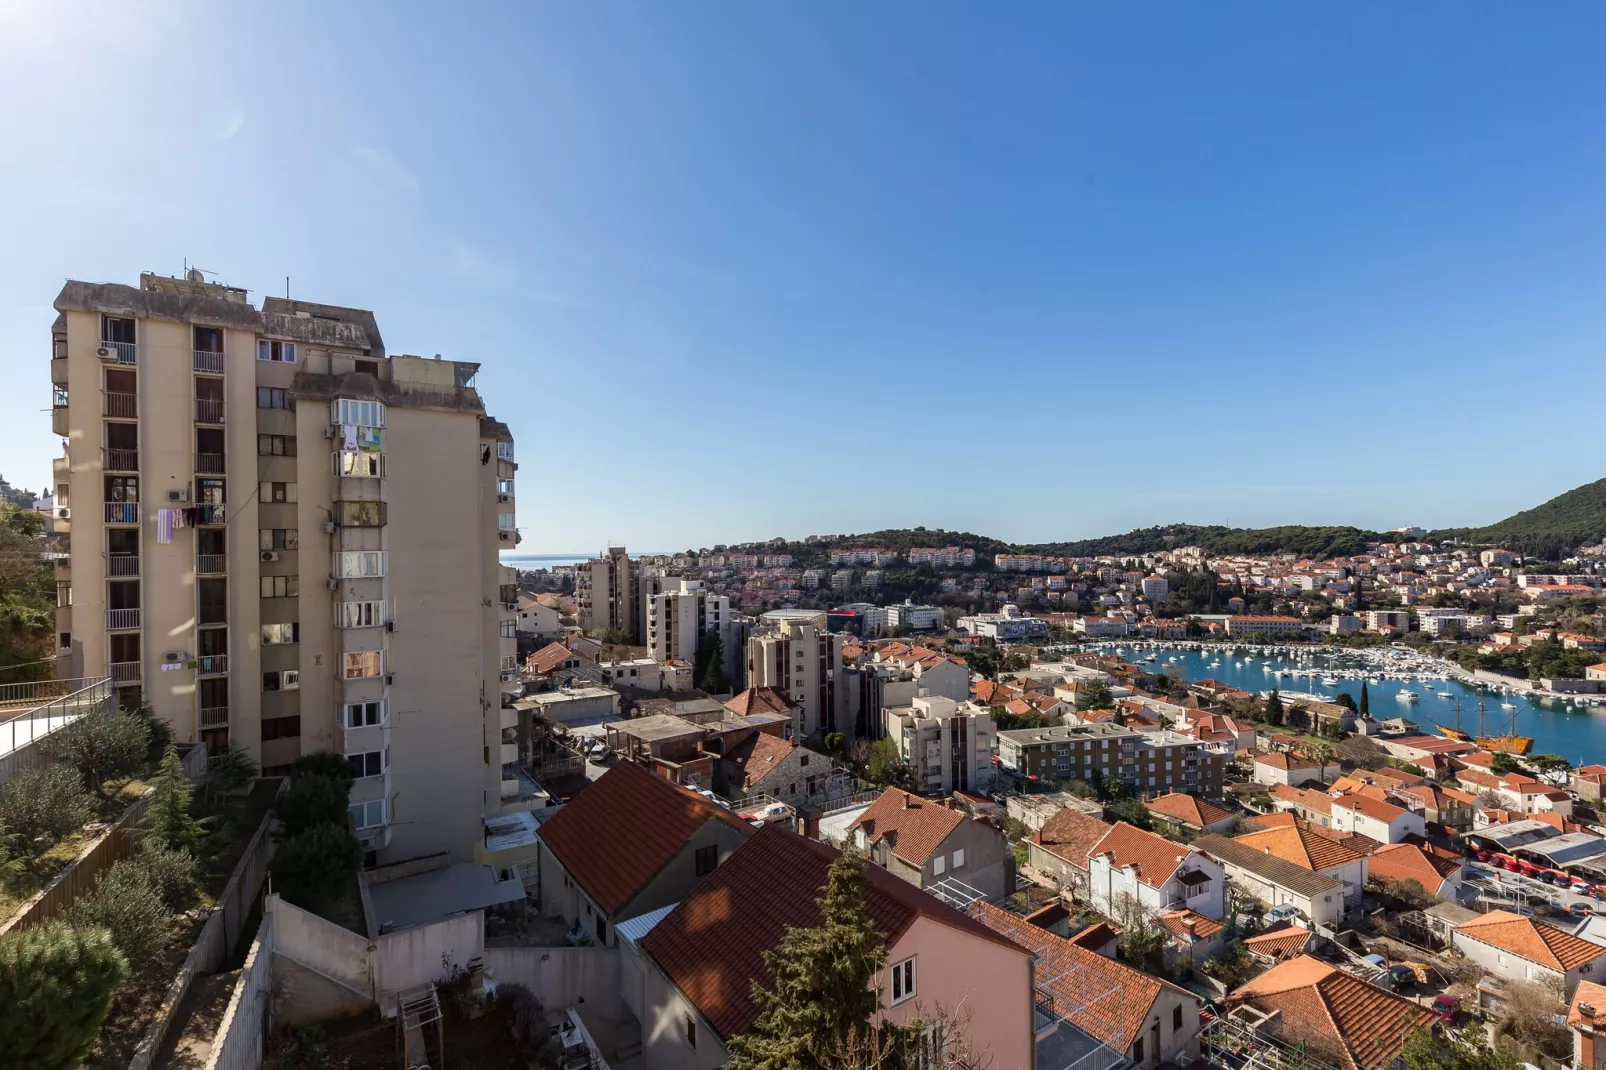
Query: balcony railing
point(209, 515)
point(125, 672)
point(122, 564)
point(213, 716)
point(122, 618)
point(123, 352)
point(209, 463)
point(122, 512)
point(208, 361)
point(209, 410)
point(117, 403)
point(211, 564)
point(212, 665)
point(121, 460)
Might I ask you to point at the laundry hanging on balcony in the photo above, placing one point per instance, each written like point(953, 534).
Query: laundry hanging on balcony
point(368, 438)
point(348, 434)
point(164, 525)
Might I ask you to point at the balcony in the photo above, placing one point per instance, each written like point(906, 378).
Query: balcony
point(211, 564)
point(209, 463)
point(122, 619)
point(120, 460)
point(121, 352)
point(213, 716)
point(212, 665)
point(122, 512)
point(209, 515)
point(205, 360)
point(117, 403)
point(122, 565)
point(208, 410)
point(125, 672)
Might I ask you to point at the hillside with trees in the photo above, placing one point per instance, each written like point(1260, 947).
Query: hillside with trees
point(1548, 531)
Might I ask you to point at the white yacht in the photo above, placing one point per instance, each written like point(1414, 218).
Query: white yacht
point(1405, 696)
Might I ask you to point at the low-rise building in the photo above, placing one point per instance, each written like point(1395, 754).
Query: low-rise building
point(912, 618)
point(1518, 948)
point(1438, 871)
point(1291, 769)
point(1270, 625)
point(927, 842)
point(1316, 851)
point(1275, 882)
point(1057, 852)
point(1375, 819)
point(1034, 811)
point(573, 705)
point(1191, 812)
point(1132, 865)
point(1586, 1017)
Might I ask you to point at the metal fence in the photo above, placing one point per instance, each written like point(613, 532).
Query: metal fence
point(19, 734)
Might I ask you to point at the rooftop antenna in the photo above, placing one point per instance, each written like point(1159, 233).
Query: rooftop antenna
point(287, 287)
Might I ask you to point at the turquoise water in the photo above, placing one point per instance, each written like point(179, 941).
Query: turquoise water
point(1579, 735)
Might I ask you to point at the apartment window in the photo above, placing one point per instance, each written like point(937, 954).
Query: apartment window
point(361, 664)
point(272, 397)
point(360, 564)
point(505, 521)
point(276, 445)
point(367, 763)
point(1176, 1018)
point(367, 815)
point(510, 631)
point(285, 680)
point(707, 859)
point(504, 451)
point(277, 634)
point(359, 463)
point(504, 486)
point(283, 493)
point(691, 1032)
point(366, 714)
point(959, 858)
point(360, 514)
point(939, 865)
point(278, 538)
point(122, 488)
point(281, 728)
point(359, 614)
point(210, 492)
point(281, 586)
point(903, 980)
point(277, 352)
point(359, 413)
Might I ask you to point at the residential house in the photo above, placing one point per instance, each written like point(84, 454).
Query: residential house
point(1316, 851)
point(690, 978)
point(1160, 875)
point(1261, 875)
point(1333, 1015)
point(926, 842)
point(1518, 948)
point(1291, 769)
point(1281, 942)
point(1034, 811)
point(1057, 853)
point(629, 843)
point(1190, 937)
point(1448, 807)
point(1191, 812)
point(762, 764)
point(1437, 870)
point(1586, 1017)
point(1376, 819)
point(1312, 806)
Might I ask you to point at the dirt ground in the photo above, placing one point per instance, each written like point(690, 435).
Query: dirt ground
point(366, 1042)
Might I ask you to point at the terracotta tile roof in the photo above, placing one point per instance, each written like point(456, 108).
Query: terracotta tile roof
point(913, 827)
point(1593, 996)
point(1309, 798)
point(619, 832)
point(551, 656)
point(1286, 762)
point(1348, 785)
point(1428, 866)
point(1189, 923)
point(1155, 857)
point(1302, 847)
point(712, 944)
point(758, 700)
point(1071, 834)
point(1335, 1011)
point(1544, 944)
point(757, 756)
point(1376, 809)
point(1282, 819)
point(1398, 776)
point(1108, 1000)
point(1269, 867)
point(1189, 809)
point(1280, 942)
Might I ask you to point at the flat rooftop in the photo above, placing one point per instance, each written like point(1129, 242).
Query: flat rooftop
point(412, 901)
point(658, 726)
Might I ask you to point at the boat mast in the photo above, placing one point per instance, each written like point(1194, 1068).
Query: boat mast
point(1483, 729)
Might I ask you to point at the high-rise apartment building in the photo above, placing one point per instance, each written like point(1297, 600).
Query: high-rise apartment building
point(282, 537)
point(681, 614)
point(947, 745)
point(793, 652)
point(610, 589)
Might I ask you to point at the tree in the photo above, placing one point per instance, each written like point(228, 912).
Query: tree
point(103, 745)
point(127, 903)
point(834, 743)
point(326, 764)
point(1274, 708)
point(708, 671)
point(1110, 787)
point(172, 872)
point(230, 771)
point(1411, 893)
point(44, 804)
point(886, 768)
point(1457, 1050)
point(27, 596)
point(310, 802)
point(313, 867)
point(1097, 697)
point(1141, 942)
point(56, 986)
point(822, 994)
point(1344, 700)
point(168, 820)
point(1132, 812)
point(1366, 702)
point(1321, 754)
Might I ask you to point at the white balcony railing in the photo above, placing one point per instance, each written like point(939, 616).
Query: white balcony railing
point(122, 565)
point(122, 512)
point(209, 410)
point(120, 460)
point(122, 619)
point(210, 463)
point(211, 564)
point(212, 665)
point(208, 361)
point(125, 672)
point(123, 352)
point(213, 716)
point(121, 404)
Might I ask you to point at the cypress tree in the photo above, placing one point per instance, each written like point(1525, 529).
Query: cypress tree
point(1366, 704)
point(1274, 709)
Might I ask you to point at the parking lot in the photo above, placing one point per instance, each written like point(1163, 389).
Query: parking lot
point(1513, 891)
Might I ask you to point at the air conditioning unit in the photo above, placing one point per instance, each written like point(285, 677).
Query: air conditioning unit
point(390, 626)
point(369, 841)
point(334, 584)
point(330, 527)
point(331, 431)
point(505, 536)
point(270, 555)
point(106, 353)
point(175, 657)
point(504, 497)
point(64, 513)
point(178, 495)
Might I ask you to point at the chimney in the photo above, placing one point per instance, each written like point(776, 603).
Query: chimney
point(907, 802)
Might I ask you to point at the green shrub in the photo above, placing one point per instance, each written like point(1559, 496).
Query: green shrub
point(103, 746)
point(229, 772)
point(159, 731)
point(44, 804)
point(56, 985)
point(311, 801)
point(172, 872)
point(314, 866)
point(324, 764)
point(126, 902)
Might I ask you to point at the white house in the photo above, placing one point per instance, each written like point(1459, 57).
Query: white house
point(1160, 874)
point(1292, 770)
point(1375, 819)
point(1277, 882)
point(1521, 949)
point(538, 619)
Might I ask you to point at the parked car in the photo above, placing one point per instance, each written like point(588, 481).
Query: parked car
point(1281, 913)
point(1579, 910)
point(1401, 975)
point(1445, 1007)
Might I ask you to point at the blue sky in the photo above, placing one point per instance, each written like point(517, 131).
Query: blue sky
point(744, 269)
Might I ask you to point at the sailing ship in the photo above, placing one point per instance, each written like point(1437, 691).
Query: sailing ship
point(1509, 743)
point(1455, 733)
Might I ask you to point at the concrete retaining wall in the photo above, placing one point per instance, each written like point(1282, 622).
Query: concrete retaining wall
point(562, 976)
point(242, 1034)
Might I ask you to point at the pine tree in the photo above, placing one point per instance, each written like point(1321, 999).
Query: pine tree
point(1274, 709)
point(169, 819)
point(56, 985)
point(1366, 703)
point(822, 998)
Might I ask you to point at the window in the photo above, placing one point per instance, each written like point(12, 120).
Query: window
point(367, 763)
point(278, 352)
point(510, 631)
point(361, 664)
point(903, 980)
point(367, 815)
point(505, 521)
point(359, 463)
point(1176, 1018)
point(275, 634)
point(1137, 1050)
point(278, 538)
point(691, 1032)
point(359, 614)
point(504, 451)
point(210, 492)
point(359, 413)
point(281, 586)
point(602, 931)
point(360, 564)
point(286, 680)
point(360, 514)
point(938, 865)
point(504, 486)
point(277, 492)
point(122, 488)
point(366, 714)
point(707, 859)
point(959, 858)
point(276, 445)
point(281, 728)
point(272, 397)
point(366, 367)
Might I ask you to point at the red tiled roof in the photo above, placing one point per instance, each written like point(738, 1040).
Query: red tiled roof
point(1155, 857)
point(1287, 762)
point(1328, 1008)
point(712, 944)
point(1071, 834)
point(551, 656)
point(619, 832)
point(1282, 819)
point(1189, 809)
point(1189, 923)
point(758, 700)
point(1428, 866)
point(1528, 939)
point(913, 827)
point(1282, 942)
point(1376, 809)
point(1302, 847)
point(757, 756)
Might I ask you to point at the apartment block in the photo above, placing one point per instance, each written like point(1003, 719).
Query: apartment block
point(285, 538)
point(793, 652)
point(1149, 763)
point(947, 745)
point(678, 616)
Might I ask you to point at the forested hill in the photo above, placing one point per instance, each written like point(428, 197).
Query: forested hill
point(1547, 531)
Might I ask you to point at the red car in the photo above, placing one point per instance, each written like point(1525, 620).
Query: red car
point(1483, 856)
point(1445, 1008)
